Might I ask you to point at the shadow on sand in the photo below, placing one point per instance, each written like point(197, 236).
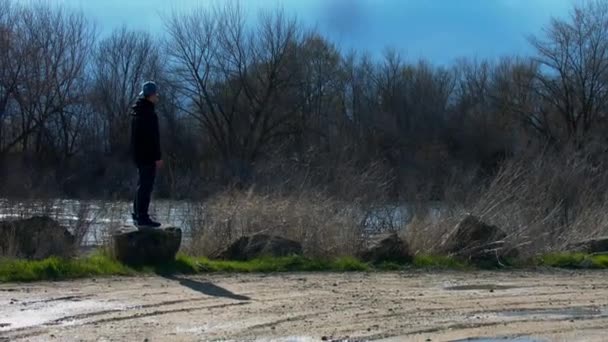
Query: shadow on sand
point(207, 288)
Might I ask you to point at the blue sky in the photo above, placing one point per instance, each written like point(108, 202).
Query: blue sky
point(440, 30)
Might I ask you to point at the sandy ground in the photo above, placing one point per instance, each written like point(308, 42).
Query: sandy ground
point(413, 306)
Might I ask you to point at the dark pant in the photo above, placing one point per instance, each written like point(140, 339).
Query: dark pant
point(145, 184)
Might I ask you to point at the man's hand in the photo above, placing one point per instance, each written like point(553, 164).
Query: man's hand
point(159, 164)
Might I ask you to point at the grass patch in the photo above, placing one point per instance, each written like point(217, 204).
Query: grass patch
point(600, 261)
point(573, 260)
point(101, 264)
point(104, 265)
point(56, 268)
point(438, 262)
point(562, 260)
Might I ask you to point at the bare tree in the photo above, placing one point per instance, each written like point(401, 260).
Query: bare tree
point(321, 120)
point(123, 61)
point(574, 57)
point(55, 44)
point(231, 79)
point(516, 100)
point(11, 64)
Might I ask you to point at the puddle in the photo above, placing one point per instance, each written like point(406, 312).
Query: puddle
point(484, 287)
point(480, 339)
point(39, 313)
point(568, 312)
point(306, 339)
point(284, 339)
point(500, 339)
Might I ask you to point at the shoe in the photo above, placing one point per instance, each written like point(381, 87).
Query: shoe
point(147, 223)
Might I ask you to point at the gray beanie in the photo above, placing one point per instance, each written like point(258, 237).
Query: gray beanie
point(148, 89)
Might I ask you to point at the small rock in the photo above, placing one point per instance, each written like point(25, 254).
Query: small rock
point(335, 284)
point(475, 241)
point(491, 290)
point(387, 247)
point(591, 246)
point(38, 237)
point(148, 246)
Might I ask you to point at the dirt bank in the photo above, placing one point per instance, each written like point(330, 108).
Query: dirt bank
point(551, 306)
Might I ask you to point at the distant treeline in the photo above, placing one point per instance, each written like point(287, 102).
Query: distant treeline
point(279, 107)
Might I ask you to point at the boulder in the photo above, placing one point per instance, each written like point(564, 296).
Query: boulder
point(38, 237)
point(475, 241)
point(591, 246)
point(387, 247)
point(259, 245)
point(147, 246)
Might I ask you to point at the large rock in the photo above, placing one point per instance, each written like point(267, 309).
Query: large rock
point(591, 246)
point(38, 237)
point(477, 242)
point(259, 245)
point(387, 247)
point(147, 246)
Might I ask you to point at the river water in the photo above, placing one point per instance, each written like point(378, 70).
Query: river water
point(100, 217)
point(96, 217)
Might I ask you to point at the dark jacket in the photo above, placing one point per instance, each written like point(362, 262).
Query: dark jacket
point(145, 135)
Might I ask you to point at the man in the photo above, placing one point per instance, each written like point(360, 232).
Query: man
point(145, 146)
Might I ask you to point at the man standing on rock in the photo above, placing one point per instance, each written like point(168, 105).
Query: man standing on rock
point(145, 147)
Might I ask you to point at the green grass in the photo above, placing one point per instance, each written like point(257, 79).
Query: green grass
point(573, 260)
point(103, 265)
point(55, 268)
point(100, 264)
